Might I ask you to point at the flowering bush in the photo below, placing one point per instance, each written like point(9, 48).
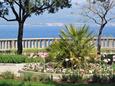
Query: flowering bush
point(102, 73)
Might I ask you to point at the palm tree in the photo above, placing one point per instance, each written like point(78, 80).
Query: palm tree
point(74, 45)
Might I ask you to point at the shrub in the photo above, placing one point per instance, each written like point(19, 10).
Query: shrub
point(8, 58)
point(73, 47)
point(44, 78)
point(7, 75)
point(23, 83)
point(12, 58)
point(102, 74)
point(74, 77)
point(102, 78)
point(113, 79)
point(65, 78)
point(27, 76)
point(34, 60)
point(39, 77)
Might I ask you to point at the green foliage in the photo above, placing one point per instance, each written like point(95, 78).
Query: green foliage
point(12, 58)
point(95, 73)
point(64, 78)
point(112, 78)
point(35, 79)
point(113, 66)
point(73, 78)
point(33, 6)
point(21, 83)
point(7, 75)
point(22, 9)
point(101, 78)
point(107, 50)
point(34, 60)
point(27, 76)
point(8, 58)
point(30, 76)
point(30, 50)
point(103, 74)
point(74, 44)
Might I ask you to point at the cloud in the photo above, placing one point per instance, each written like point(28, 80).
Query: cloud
point(111, 24)
point(55, 24)
point(1, 0)
point(79, 1)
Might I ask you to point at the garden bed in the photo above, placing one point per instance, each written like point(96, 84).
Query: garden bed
point(22, 83)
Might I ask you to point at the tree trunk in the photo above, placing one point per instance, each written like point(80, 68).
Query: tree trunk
point(99, 39)
point(20, 37)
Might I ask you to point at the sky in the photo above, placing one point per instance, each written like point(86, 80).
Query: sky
point(65, 16)
point(60, 18)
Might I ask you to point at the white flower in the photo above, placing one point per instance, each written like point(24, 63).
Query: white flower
point(66, 59)
point(105, 60)
point(90, 71)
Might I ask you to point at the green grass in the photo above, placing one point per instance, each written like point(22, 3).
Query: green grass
point(108, 50)
point(13, 58)
point(96, 84)
point(28, 50)
point(22, 83)
point(34, 49)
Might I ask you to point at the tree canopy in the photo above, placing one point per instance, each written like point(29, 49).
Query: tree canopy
point(22, 9)
point(26, 8)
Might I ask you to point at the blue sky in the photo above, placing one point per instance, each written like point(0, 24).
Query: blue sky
point(65, 16)
point(60, 18)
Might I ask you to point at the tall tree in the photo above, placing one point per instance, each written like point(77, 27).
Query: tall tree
point(22, 9)
point(100, 11)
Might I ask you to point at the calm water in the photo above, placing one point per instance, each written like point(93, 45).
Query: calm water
point(43, 31)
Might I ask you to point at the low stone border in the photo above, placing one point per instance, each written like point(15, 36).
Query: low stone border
point(14, 68)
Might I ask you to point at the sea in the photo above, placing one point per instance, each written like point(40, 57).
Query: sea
point(10, 31)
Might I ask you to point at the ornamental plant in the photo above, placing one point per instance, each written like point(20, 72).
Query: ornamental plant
point(74, 46)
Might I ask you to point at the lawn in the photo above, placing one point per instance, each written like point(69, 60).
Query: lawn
point(21, 83)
